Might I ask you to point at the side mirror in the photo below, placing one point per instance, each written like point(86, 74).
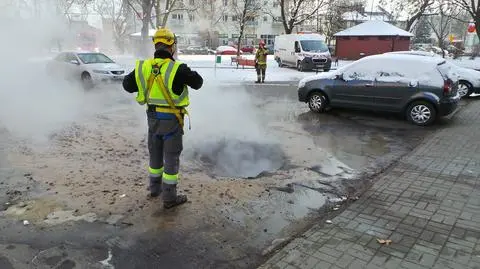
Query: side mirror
point(339, 76)
point(413, 83)
point(74, 62)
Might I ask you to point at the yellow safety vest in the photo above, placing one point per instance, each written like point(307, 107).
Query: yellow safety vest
point(149, 73)
point(154, 79)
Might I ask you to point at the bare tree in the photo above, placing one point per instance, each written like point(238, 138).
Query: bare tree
point(163, 9)
point(333, 16)
point(473, 8)
point(415, 8)
point(295, 12)
point(64, 7)
point(117, 11)
point(445, 13)
point(246, 13)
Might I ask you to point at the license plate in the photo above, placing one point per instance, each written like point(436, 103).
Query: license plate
point(117, 77)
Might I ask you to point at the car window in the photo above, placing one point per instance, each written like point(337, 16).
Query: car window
point(363, 70)
point(94, 58)
point(70, 57)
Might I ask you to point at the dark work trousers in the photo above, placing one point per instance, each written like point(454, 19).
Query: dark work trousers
point(261, 68)
point(165, 146)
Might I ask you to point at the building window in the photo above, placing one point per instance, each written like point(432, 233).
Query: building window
point(345, 37)
point(265, 18)
point(275, 3)
point(234, 18)
point(191, 17)
point(192, 2)
point(177, 17)
point(225, 2)
point(225, 17)
point(383, 38)
point(363, 38)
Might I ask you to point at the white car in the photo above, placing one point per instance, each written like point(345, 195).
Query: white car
point(468, 79)
point(88, 67)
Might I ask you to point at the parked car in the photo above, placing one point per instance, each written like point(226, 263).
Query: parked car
point(468, 80)
point(196, 50)
point(248, 49)
point(422, 88)
point(87, 67)
point(227, 50)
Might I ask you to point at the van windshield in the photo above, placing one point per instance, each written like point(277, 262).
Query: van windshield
point(313, 46)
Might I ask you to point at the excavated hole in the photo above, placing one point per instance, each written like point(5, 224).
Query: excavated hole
point(236, 158)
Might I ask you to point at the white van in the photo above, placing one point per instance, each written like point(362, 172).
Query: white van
point(305, 51)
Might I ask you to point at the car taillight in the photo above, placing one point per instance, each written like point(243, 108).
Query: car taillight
point(447, 87)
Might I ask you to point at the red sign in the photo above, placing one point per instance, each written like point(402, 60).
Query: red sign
point(471, 28)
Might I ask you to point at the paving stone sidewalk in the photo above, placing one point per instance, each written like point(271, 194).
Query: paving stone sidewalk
point(428, 205)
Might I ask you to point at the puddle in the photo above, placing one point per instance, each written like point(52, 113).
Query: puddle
point(236, 158)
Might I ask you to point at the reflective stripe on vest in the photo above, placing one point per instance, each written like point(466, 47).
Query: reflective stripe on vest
point(168, 81)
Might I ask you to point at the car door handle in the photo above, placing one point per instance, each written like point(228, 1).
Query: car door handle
point(369, 85)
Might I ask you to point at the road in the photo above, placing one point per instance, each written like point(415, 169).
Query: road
point(257, 171)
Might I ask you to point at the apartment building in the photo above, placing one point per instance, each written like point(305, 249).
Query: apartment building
point(217, 22)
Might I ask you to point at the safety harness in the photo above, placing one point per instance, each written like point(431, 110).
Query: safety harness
point(179, 112)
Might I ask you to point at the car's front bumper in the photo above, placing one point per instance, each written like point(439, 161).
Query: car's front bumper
point(107, 78)
point(303, 94)
point(310, 63)
point(448, 105)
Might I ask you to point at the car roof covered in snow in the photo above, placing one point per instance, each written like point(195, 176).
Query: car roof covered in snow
point(374, 28)
point(415, 52)
point(411, 57)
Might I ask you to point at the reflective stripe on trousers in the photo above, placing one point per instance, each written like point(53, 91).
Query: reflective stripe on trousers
point(155, 172)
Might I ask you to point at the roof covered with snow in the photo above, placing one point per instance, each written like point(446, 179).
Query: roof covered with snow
point(374, 28)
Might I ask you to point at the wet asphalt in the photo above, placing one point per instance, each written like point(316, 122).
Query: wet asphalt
point(367, 142)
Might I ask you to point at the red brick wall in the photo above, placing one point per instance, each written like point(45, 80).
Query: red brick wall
point(350, 49)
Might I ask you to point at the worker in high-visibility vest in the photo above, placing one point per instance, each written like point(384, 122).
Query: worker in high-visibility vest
point(261, 62)
point(161, 83)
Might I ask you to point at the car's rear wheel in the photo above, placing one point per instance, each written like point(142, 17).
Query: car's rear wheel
point(87, 81)
point(317, 102)
point(421, 113)
point(465, 88)
point(280, 64)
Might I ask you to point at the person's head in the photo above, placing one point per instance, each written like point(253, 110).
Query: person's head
point(164, 39)
point(261, 44)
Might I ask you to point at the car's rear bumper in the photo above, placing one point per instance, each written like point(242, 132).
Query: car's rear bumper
point(448, 105)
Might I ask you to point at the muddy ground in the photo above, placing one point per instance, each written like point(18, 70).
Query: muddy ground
point(78, 199)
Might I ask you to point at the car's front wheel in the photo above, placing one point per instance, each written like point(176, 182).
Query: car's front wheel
point(87, 81)
point(317, 102)
point(465, 88)
point(421, 113)
point(299, 66)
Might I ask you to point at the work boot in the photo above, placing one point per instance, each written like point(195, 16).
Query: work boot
point(258, 81)
point(155, 186)
point(170, 197)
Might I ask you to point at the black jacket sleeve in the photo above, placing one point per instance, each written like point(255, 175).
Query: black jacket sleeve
point(129, 83)
point(186, 76)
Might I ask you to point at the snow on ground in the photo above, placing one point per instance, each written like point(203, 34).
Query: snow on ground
point(226, 71)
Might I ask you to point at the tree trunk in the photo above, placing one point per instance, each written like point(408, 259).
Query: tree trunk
point(146, 20)
point(158, 18)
